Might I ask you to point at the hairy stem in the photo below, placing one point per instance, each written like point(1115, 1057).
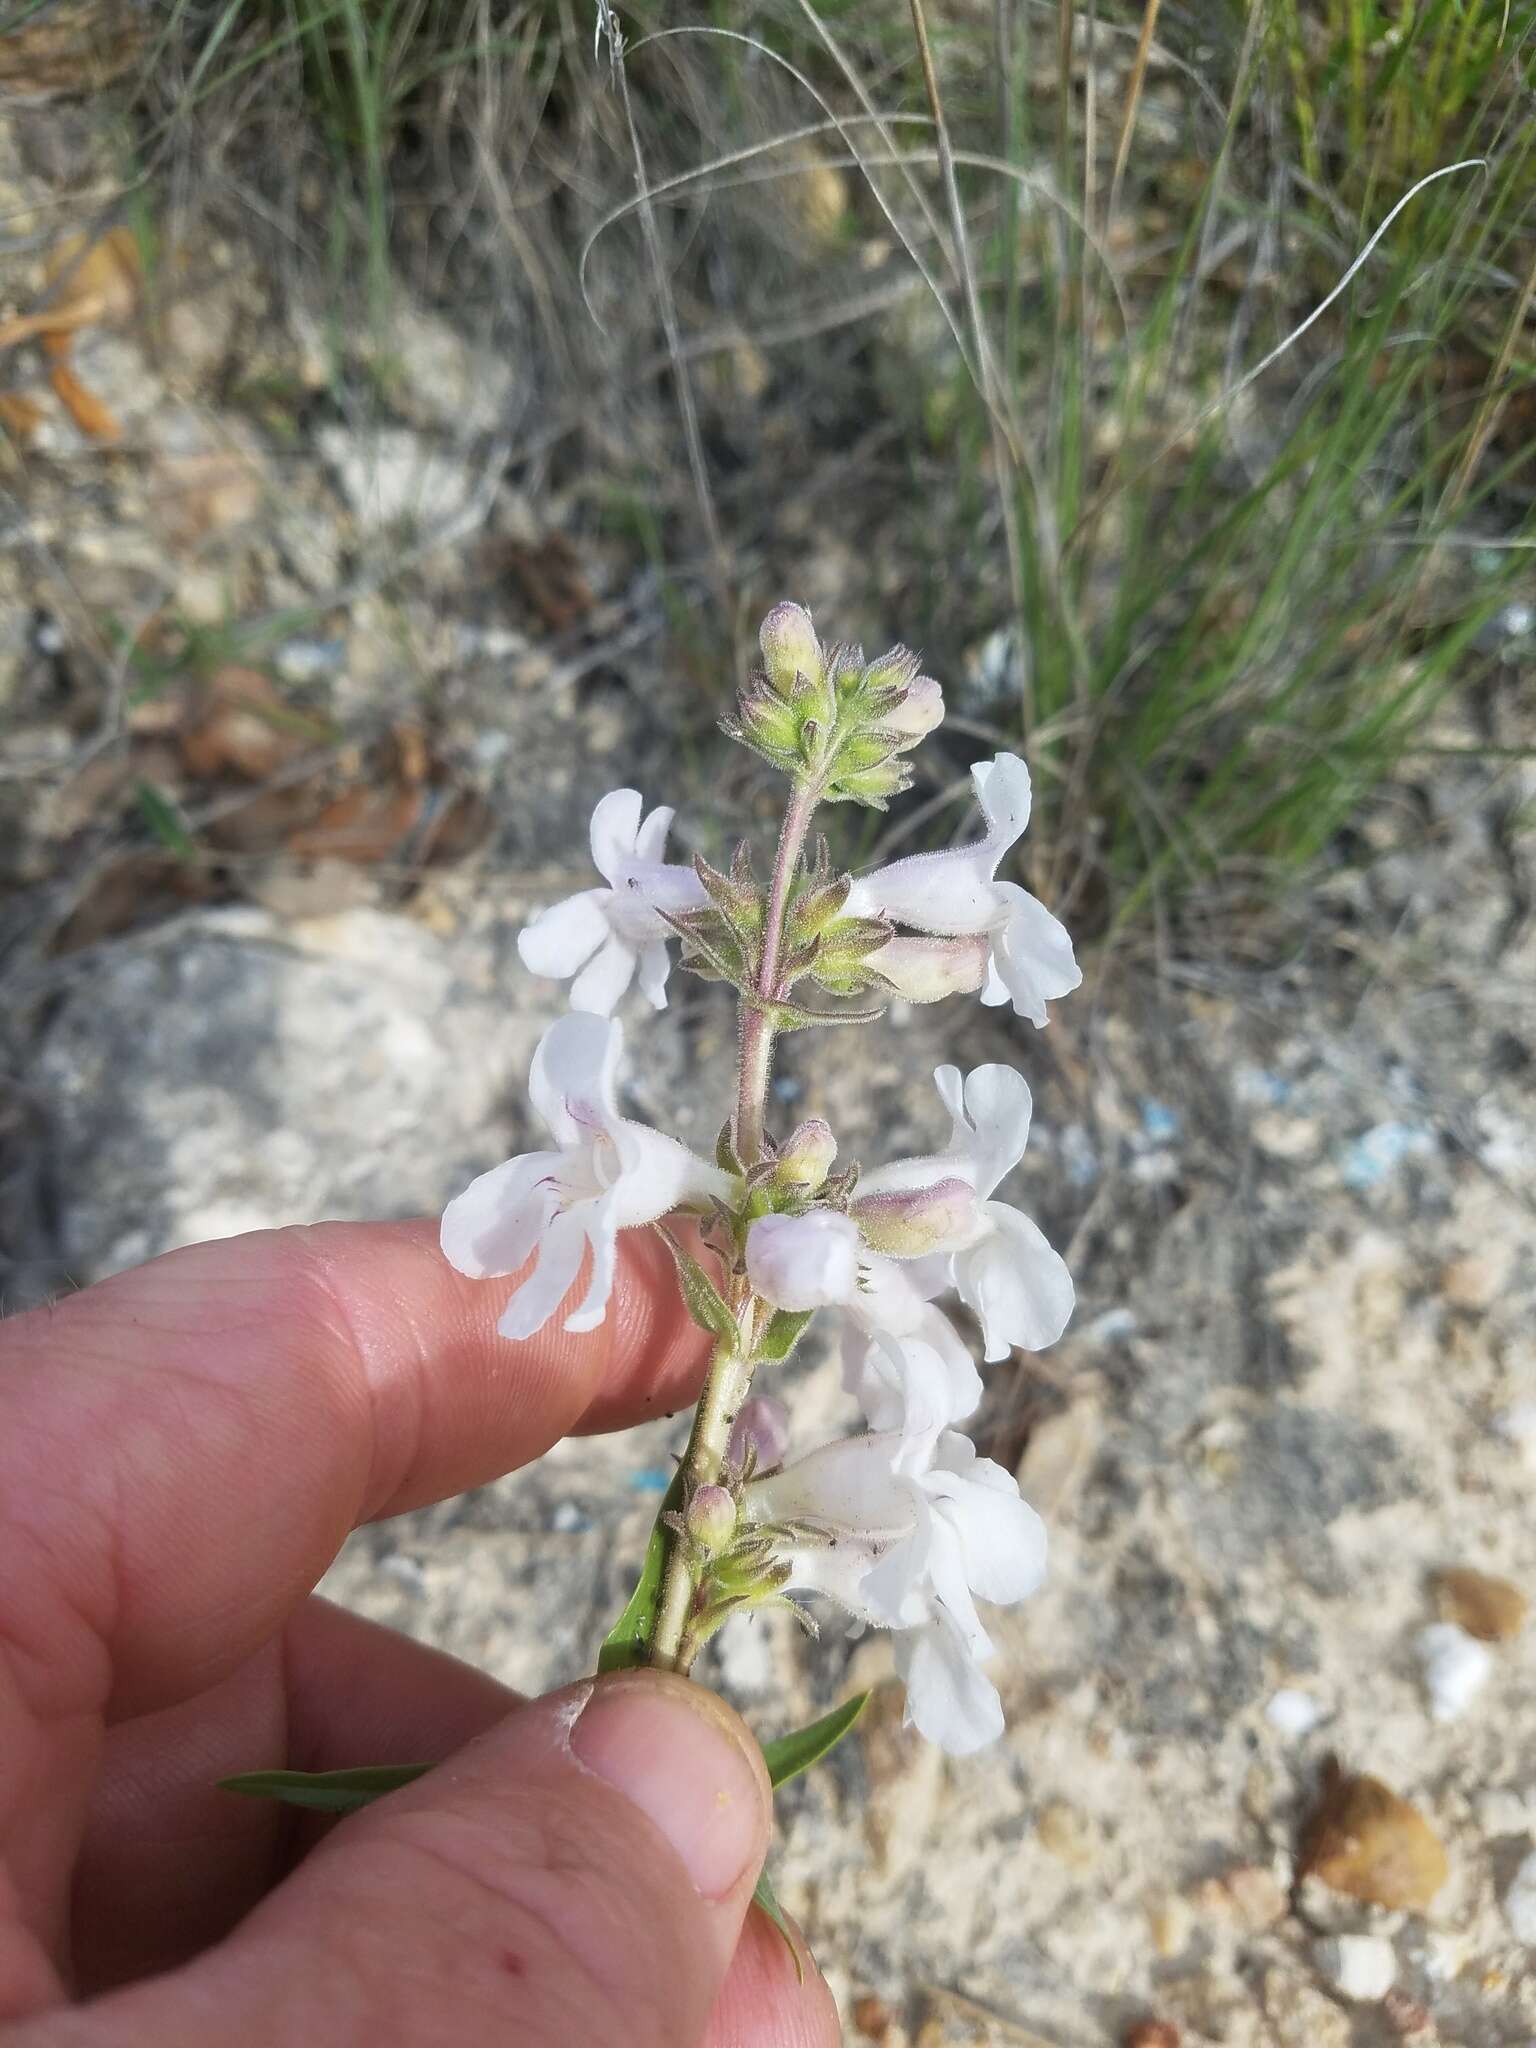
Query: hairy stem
point(756, 1029)
point(730, 1375)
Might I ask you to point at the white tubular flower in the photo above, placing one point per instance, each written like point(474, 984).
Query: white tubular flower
point(895, 1335)
point(939, 1208)
point(601, 936)
point(956, 892)
point(906, 1533)
point(801, 1262)
point(892, 1332)
point(926, 970)
point(608, 1174)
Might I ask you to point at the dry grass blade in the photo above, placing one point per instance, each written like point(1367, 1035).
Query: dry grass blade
point(1137, 79)
point(667, 307)
point(1005, 450)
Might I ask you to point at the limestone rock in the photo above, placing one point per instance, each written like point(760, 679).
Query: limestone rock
point(227, 1073)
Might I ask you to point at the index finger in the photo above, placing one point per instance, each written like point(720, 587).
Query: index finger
point(183, 1448)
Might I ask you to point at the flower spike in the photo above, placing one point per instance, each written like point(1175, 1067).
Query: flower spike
point(902, 1525)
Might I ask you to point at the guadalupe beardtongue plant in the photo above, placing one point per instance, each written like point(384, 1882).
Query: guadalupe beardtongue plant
point(902, 1526)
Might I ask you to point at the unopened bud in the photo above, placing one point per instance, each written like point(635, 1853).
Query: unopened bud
point(926, 970)
point(919, 711)
point(761, 1431)
point(806, 1156)
point(790, 647)
point(908, 1223)
point(801, 1262)
point(892, 671)
point(711, 1517)
point(769, 719)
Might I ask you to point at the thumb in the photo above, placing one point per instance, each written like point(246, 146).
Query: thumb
point(579, 1874)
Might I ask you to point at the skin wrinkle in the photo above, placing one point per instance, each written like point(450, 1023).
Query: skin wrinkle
point(319, 1268)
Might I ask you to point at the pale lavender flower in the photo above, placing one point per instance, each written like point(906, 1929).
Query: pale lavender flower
point(956, 892)
point(608, 1174)
point(601, 937)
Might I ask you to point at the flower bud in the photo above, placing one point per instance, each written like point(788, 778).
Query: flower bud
point(790, 647)
point(920, 710)
point(806, 1156)
point(761, 1429)
point(925, 970)
point(908, 1223)
point(892, 671)
point(768, 720)
point(711, 1518)
point(801, 1262)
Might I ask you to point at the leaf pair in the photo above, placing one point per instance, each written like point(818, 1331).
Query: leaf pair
point(343, 1792)
point(346, 1791)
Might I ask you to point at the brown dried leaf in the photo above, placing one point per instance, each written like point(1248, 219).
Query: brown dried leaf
point(1367, 1842)
point(20, 416)
point(240, 726)
point(268, 820)
point(463, 823)
point(98, 281)
point(131, 891)
point(94, 419)
point(364, 825)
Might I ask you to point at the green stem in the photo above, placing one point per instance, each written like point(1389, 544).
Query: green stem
point(730, 1375)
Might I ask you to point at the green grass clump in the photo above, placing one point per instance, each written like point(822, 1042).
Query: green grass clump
point(1217, 404)
point(1245, 535)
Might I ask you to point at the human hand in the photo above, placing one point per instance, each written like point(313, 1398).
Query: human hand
point(182, 1451)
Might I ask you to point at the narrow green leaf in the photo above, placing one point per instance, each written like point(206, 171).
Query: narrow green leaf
point(800, 1017)
point(700, 1295)
point(625, 1643)
point(783, 1334)
point(763, 1896)
point(165, 821)
point(725, 1151)
point(788, 1755)
point(326, 1791)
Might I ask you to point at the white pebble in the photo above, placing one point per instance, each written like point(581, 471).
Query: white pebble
point(1292, 1712)
point(1455, 1665)
point(1360, 1965)
point(1520, 1902)
point(405, 1571)
point(1517, 1426)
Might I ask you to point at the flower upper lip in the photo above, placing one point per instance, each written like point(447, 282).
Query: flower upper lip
point(956, 892)
point(608, 1174)
point(600, 938)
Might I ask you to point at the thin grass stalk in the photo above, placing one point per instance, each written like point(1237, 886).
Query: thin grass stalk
point(1132, 106)
point(1495, 396)
point(667, 306)
point(1004, 449)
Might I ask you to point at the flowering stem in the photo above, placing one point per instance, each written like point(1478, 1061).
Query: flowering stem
point(730, 1376)
point(756, 1027)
